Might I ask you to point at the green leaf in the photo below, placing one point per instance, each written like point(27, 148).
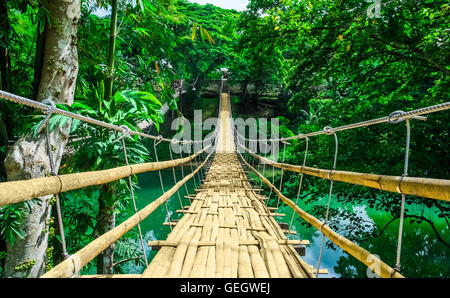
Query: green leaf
point(194, 31)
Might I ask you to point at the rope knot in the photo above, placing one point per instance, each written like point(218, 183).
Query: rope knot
point(51, 107)
point(395, 269)
point(283, 140)
point(328, 130)
point(396, 114)
point(158, 140)
point(125, 130)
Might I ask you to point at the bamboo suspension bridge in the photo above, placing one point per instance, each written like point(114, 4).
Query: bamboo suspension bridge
point(227, 230)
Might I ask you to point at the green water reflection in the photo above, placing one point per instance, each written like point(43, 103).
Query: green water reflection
point(150, 189)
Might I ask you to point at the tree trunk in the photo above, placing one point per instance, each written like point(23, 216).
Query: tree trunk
point(28, 157)
point(111, 52)
point(5, 59)
point(5, 79)
point(39, 56)
point(106, 221)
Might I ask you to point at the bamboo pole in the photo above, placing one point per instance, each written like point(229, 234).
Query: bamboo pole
point(22, 190)
point(75, 262)
point(431, 188)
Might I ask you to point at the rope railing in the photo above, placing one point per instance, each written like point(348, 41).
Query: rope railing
point(19, 191)
point(12, 192)
point(431, 188)
point(23, 190)
point(45, 107)
point(394, 117)
point(361, 254)
point(75, 262)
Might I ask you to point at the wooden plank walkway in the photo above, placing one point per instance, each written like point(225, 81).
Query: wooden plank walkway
point(227, 231)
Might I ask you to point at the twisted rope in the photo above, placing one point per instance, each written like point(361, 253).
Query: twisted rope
point(329, 131)
point(415, 114)
point(130, 184)
point(53, 172)
point(397, 266)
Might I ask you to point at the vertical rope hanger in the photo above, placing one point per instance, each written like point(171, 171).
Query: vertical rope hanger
point(282, 174)
point(329, 131)
point(125, 133)
point(192, 169)
point(201, 171)
point(53, 172)
point(156, 143)
point(264, 167)
point(182, 171)
point(259, 165)
point(301, 182)
point(175, 177)
point(195, 160)
point(251, 161)
point(405, 174)
point(273, 173)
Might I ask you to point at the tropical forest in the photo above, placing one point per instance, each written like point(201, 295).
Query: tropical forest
point(98, 96)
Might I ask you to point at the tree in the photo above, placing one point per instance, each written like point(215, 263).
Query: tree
point(350, 66)
point(28, 157)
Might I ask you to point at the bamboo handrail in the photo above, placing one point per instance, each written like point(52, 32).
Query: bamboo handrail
point(12, 192)
point(431, 188)
point(382, 269)
point(75, 262)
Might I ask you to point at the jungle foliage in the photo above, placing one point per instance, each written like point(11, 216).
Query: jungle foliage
point(334, 63)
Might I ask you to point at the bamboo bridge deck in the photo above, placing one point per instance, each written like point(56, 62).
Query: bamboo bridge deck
point(227, 231)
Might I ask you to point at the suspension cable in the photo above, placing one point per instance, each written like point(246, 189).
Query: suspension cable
point(44, 107)
point(397, 266)
point(300, 183)
point(155, 144)
point(192, 169)
point(264, 166)
point(182, 171)
point(53, 171)
point(329, 131)
point(175, 178)
point(282, 174)
point(130, 184)
point(397, 117)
